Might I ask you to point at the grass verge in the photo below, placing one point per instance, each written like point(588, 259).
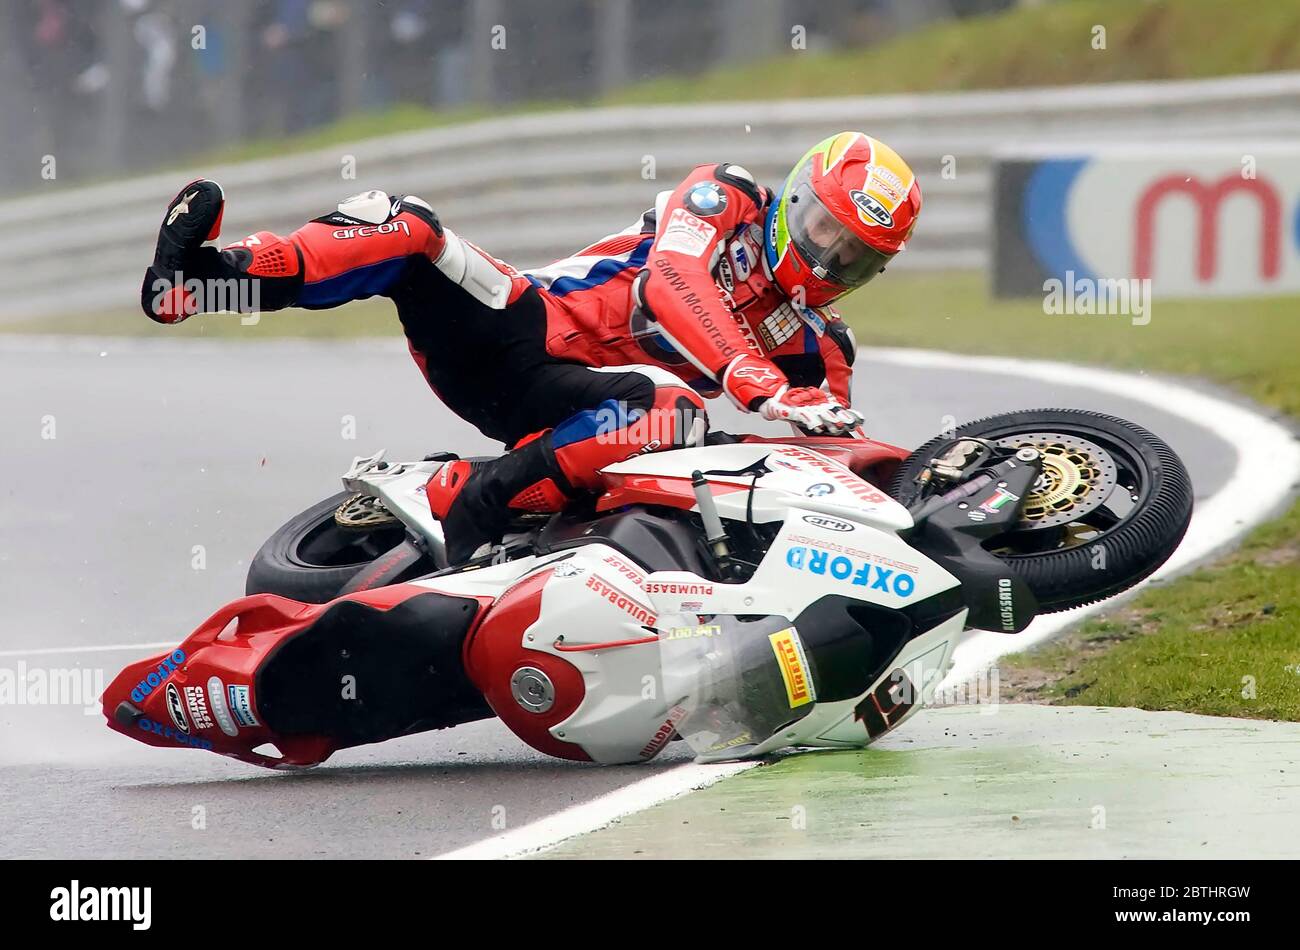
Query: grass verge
point(1044, 46)
point(1224, 640)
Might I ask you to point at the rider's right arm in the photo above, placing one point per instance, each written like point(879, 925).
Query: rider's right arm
point(677, 291)
point(356, 252)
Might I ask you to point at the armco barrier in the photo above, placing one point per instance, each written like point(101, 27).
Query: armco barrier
point(534, 187)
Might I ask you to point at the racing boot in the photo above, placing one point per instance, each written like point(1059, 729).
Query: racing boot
point(193, 217)
point(475, 500)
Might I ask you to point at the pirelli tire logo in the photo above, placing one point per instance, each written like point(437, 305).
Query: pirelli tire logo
point(793, 663)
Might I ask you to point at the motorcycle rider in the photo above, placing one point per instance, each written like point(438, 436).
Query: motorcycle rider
point(723, 287)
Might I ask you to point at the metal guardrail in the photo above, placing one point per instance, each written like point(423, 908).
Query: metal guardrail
point(535, 187)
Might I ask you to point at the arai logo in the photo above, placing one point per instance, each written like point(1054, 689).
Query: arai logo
point(872, 208)
point(832, 524)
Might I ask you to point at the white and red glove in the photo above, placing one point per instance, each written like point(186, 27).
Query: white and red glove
point(812, 409)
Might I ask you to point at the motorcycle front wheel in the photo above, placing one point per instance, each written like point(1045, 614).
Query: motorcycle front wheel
point(1111, 505)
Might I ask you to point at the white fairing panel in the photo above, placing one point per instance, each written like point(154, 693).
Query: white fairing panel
point(905, 688)
point(795, 475)
point(597, 597)
point(834, 535)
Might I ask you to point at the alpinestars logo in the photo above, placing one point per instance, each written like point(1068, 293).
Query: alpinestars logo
point(759, 374)
point(181, 207)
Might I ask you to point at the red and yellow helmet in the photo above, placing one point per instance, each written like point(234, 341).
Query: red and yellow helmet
point(847, 208)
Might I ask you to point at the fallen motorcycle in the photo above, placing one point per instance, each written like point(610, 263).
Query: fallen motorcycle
point(745, 596)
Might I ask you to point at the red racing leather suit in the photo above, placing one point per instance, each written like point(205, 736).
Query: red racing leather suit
point(688, 289)
point(640, 324)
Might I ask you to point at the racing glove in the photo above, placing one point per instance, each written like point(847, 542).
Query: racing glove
point(811, 409)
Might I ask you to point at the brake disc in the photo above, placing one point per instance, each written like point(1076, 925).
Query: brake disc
point(363, 513)
point(1077, 478)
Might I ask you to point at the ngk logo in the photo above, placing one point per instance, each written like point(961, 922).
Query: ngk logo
point(392, 227)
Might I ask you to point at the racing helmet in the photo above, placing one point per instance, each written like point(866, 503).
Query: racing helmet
point(847, 208)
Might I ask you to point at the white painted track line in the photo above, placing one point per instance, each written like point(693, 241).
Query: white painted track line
point(597, 813)
point(109, 648)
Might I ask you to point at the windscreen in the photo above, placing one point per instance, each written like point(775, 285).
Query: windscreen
point(736, 681)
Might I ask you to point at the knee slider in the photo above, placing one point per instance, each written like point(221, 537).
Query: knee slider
point(467, 266)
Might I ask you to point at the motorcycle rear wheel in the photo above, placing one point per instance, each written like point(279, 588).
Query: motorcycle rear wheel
point(1116, 540)
point(313, 557)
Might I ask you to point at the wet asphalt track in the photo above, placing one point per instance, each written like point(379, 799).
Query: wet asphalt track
point(161, 446)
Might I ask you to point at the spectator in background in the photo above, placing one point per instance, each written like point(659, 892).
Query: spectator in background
point(411, 44)
point(300, 41)
point(65, 77)
point(155, 34)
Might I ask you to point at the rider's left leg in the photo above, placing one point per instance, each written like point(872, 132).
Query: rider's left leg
point(633, 410)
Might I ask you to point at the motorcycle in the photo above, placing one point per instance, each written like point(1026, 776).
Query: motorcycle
point(745, 596)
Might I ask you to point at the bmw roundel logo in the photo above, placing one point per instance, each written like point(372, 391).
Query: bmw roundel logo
point(706, 199)
point(872, 208)
point(821, 488)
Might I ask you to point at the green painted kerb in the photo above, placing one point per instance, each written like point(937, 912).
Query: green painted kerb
point(997, 781)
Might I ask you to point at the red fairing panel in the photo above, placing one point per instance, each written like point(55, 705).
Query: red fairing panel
point(873, 461)
point(495, 651)
point(213, 661)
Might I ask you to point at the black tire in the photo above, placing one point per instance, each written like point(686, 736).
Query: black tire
point(311, 559)
point(1134, 546)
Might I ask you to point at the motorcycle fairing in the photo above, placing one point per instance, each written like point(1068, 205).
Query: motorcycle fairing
point(268, 670)
point(913, 627)
point(601, 611)
point(754, 481)
point(584, 610)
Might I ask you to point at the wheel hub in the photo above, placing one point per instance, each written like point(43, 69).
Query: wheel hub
point(1077, 477)
point(363, 513)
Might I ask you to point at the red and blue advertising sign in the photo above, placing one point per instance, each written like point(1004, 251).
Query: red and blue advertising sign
point(1195, 221)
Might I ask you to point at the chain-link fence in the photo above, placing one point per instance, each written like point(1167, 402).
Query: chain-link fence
point(92, 88)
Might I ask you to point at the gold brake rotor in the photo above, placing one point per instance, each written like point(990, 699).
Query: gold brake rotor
point(363, 513)
point(1076, 479)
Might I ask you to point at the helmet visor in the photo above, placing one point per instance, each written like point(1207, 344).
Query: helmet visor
point(833, 251)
